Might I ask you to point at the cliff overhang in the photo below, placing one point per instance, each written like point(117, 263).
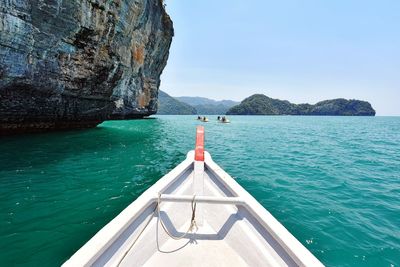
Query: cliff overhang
point(73, 64)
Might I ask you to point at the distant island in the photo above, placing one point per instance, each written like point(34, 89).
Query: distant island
point(188, 105)
point(168, 105)
point(260, 104)
point(206, 106)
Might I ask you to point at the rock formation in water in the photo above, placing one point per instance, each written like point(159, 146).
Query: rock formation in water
point(259, 104)
point(76, 63)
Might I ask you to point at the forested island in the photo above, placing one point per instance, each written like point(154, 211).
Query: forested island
point(260, 104)
point(206, 106)
point(168, 105)
point(188, 105)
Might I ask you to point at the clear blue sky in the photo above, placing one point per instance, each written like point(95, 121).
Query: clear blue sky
point(299, 50)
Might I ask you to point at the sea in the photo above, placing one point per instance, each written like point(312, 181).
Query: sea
point(333, 182)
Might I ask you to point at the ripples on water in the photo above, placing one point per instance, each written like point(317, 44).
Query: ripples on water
point(332, 181)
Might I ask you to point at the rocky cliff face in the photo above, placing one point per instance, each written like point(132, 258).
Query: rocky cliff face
point(76, 63)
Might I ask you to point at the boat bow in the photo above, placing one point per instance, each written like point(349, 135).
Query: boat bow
point(233, 228)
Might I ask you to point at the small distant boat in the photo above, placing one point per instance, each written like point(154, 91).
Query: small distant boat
point(203, 119)
point(223, 119)
point(196, 215)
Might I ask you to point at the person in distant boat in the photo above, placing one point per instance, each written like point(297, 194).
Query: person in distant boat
point(198, 117)
point(219, 118)
point(223, 119)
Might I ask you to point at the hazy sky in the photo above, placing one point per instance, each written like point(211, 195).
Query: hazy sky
point(299, 50)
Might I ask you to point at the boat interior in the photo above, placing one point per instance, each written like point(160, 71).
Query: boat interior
point(227, 235)
point(196, 215)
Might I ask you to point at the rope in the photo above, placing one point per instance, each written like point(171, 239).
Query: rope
point(141, 232)
point(192, 225)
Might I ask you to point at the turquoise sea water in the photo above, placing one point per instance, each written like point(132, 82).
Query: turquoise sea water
point(333, 182)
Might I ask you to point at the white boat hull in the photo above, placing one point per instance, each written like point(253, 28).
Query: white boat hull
point(233, 228)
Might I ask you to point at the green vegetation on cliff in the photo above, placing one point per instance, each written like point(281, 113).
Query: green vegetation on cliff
point(260, 104)
point(167, 105)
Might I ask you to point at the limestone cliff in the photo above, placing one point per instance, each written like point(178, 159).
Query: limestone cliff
point(76, 63)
